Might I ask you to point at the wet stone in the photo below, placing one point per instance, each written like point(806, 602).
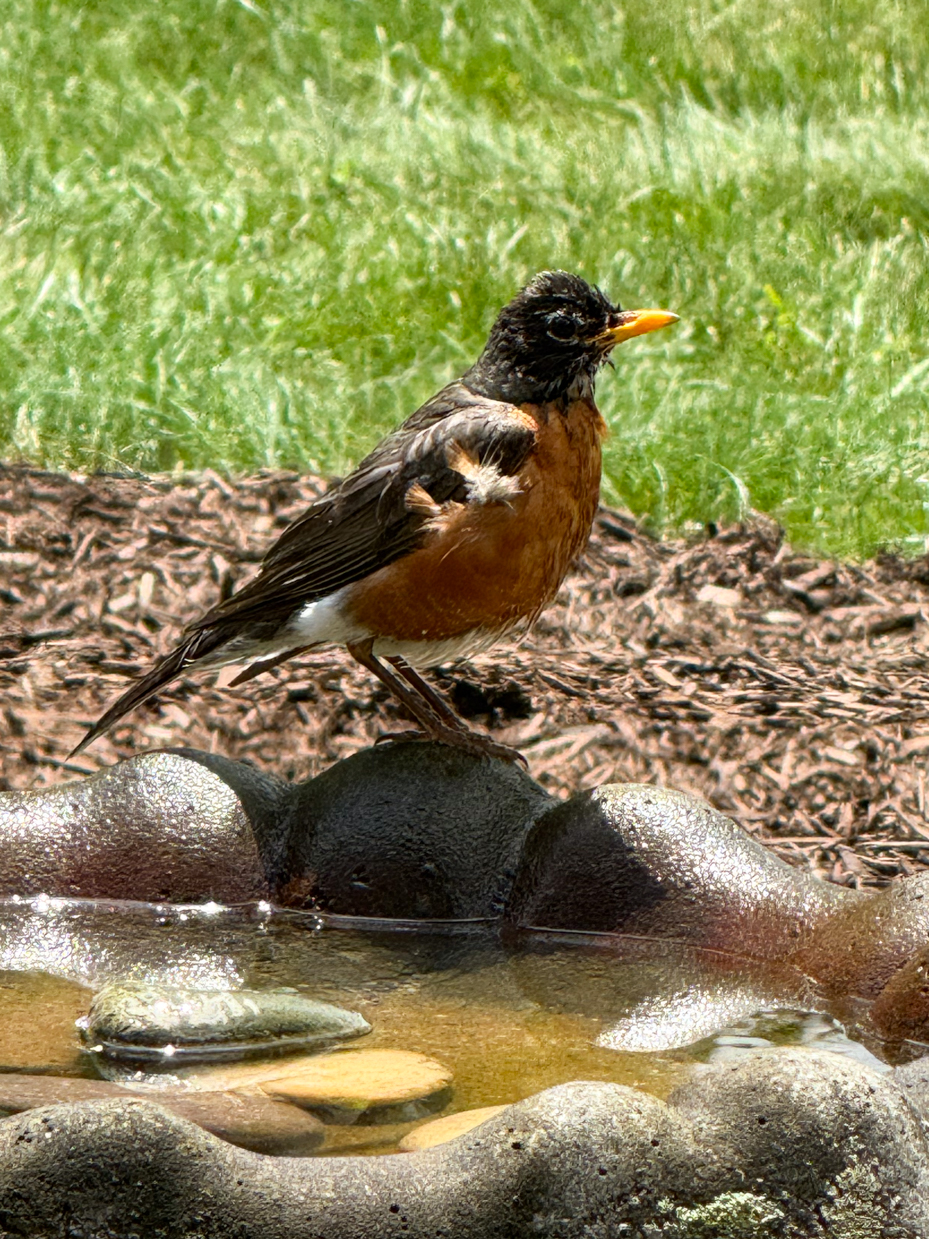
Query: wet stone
point(901, 1010)
point(862, 944)
point(366, 1086)
point(252, 1122)
point(630, 858)
point(409, 830)
point(446, 1128)
point(155, 827)
point(37, 1017)
point(138, 1022)
point(238, 1077)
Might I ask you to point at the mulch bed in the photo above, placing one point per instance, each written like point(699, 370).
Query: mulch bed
point(790, 691)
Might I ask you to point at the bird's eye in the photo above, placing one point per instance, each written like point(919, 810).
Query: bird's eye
point(562, 327)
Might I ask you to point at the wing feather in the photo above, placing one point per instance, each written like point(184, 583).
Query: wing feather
point(364, 523)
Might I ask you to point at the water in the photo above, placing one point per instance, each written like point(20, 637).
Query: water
point(508, 1020)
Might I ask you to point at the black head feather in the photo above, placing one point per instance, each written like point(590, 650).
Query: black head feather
point(545, 341)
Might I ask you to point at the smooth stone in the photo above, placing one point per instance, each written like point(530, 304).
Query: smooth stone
point(410, 830)
point(37, 1018)
point(901, 1010)
point(137, 1021)
point(863, 944)
point(245, 1078)
point(261, 1124)
point(366, 1085)
point(636, 859)
point(446, 1128)
point(257, 1122)
point(791, 1143)
point(404, 830)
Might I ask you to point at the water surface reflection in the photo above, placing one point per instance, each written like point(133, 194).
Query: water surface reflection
point(509, 1019)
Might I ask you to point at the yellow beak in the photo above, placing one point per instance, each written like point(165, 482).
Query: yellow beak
point(635, 323)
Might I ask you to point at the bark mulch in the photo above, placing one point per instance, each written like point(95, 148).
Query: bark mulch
point(788, 690)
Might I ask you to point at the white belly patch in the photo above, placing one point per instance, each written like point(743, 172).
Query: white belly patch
point(324, 622)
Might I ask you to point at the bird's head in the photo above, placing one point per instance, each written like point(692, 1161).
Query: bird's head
point(554, 335)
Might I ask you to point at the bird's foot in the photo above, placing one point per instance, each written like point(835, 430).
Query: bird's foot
point(469, 741)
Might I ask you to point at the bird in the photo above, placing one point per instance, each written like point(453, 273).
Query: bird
point(457, 529)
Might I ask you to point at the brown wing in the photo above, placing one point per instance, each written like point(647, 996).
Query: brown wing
point(365, 523)
point(362, 524)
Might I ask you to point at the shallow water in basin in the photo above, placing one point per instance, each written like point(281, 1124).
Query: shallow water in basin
point(508, 1021)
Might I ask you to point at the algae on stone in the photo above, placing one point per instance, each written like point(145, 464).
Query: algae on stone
point(733, 1215)
point(858, 1206)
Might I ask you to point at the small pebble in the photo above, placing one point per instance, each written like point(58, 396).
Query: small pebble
point(446, 1128)
point(370, 1086)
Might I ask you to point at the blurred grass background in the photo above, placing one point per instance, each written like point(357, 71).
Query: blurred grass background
point(259, 232)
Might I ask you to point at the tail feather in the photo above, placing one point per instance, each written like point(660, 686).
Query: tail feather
point(164, 671)
point(265, 664)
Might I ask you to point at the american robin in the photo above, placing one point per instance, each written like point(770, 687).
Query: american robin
point(458, 527)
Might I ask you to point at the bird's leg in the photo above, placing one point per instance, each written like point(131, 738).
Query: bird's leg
point(425, 689)
point(421, 708)
point(429, 718)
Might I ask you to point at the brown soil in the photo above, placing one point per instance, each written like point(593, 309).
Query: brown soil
point(790, 691)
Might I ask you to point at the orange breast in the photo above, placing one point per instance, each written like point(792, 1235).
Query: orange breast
point(492, 565)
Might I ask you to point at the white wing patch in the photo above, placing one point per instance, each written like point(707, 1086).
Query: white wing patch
point(486, 484)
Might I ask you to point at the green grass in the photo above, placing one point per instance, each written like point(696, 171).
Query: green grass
point(245, 234)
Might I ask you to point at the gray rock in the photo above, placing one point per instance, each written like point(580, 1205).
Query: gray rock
point(636, 859)
point(833, 1144)
point(790, 1145)
point(411, 831)
point(133, 1021)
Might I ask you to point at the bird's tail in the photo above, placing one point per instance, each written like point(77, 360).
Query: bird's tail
point(195, 647)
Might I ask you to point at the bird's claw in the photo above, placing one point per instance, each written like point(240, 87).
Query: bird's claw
point(469, 741)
